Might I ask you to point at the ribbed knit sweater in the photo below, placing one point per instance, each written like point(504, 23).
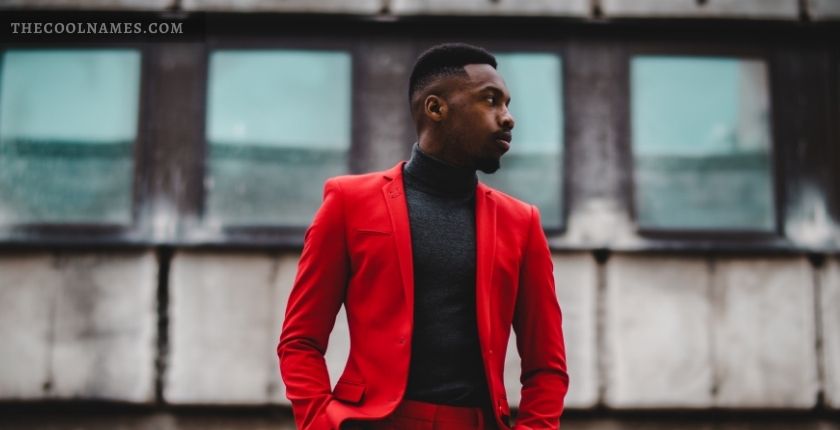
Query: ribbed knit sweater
point(446, 366)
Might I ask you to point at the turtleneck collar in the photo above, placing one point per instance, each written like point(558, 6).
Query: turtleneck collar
point(437, 177)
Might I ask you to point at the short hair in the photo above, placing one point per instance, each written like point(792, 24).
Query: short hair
point(447, 59)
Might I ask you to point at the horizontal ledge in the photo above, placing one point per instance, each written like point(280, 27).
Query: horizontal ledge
point(293, 242)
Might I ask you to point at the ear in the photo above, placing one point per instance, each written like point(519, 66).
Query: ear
point(435, 108)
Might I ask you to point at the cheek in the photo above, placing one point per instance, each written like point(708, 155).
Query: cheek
point(475, 125)
point(483, 120)
point(468, 122)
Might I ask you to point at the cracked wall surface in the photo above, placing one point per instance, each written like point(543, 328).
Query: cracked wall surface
point(684, 332)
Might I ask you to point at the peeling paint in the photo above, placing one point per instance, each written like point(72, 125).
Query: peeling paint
point(600, 223)
point(811, 224)
point(164, 221)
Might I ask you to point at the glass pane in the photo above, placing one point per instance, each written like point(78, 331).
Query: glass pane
point(278, 125)
point(701, 140)
point(68, 121)
point(533, 169)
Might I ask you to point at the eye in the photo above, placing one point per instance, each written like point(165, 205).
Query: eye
point(491, 99)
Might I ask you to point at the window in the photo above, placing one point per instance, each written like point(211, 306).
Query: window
point(278, 125)
point(532, 169)
point(68, 123)
point(701, 141)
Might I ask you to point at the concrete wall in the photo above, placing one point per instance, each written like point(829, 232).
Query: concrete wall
point(579, 8)
point(304, 6)
point(582, 9)
point(90, 4)
point(78, 326)
point(642, 331)
point(754, 9)
point(829, 320)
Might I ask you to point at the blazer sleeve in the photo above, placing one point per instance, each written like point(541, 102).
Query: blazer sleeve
point(539, 336)
point(314, 302)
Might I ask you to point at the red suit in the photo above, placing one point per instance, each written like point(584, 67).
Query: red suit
point(357, 252)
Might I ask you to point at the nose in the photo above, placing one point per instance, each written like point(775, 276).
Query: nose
point(507, 122)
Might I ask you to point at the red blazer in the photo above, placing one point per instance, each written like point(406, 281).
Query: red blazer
point(357, 252)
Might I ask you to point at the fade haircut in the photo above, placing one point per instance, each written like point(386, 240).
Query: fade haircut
point(443, 60)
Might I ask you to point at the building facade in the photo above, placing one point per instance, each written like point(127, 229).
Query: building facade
point(156, 179)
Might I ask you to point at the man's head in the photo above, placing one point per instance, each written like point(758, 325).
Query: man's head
point(459, 103)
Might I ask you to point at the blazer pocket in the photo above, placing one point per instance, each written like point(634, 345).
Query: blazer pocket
point(372, 231)
point(349, 392)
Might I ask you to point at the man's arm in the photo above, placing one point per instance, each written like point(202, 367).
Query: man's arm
point(539, 336)
point(315, 300)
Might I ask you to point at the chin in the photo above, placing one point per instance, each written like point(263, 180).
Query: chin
point(488, 165)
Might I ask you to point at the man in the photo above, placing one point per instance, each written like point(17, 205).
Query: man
point(433, 269)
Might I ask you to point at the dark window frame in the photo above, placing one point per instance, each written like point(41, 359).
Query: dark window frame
point(834, 133)
point(178, 155)
point(700, 50)
point(71, 233)
point(833, 137)
point(271, 234)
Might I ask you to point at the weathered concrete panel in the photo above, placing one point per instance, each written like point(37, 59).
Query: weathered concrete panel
point(575, 277)
point(824, 9)
point(27, 295)
point(764, 333)
point(105, 333)
point(285, 272)
point(830, 312)
point(226, 314)
point(338, 348)
point(575, 281)
point(754, 9)
point(90, 320)
point(302, 6)
point(657, 332)
point(89, 4)
point(223, 328)
point(486, 7)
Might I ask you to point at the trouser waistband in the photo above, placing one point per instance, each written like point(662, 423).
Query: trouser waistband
point(470, 416)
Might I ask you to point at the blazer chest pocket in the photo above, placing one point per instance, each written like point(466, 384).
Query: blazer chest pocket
point(371, 249)
point(349, 392)
point(362, 232)
point(367, 240)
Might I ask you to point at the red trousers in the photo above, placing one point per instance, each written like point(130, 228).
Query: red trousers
point(414, 415)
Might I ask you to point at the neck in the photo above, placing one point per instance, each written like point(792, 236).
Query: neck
point(436, 176)
point(441, 149)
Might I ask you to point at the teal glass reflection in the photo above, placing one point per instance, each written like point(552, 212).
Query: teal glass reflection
point(68, 121)
point(278, 125)
point(701, 142)
point(533, 168)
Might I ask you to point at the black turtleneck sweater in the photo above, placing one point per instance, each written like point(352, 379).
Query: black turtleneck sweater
point(446, 366)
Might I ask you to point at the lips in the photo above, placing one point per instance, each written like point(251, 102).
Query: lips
point(504, 139)
point(504, 144)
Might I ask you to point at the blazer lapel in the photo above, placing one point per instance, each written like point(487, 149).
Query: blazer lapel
point(485, 214)
point(397, 208)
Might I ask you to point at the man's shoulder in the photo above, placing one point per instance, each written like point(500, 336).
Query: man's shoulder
point(372, 181)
